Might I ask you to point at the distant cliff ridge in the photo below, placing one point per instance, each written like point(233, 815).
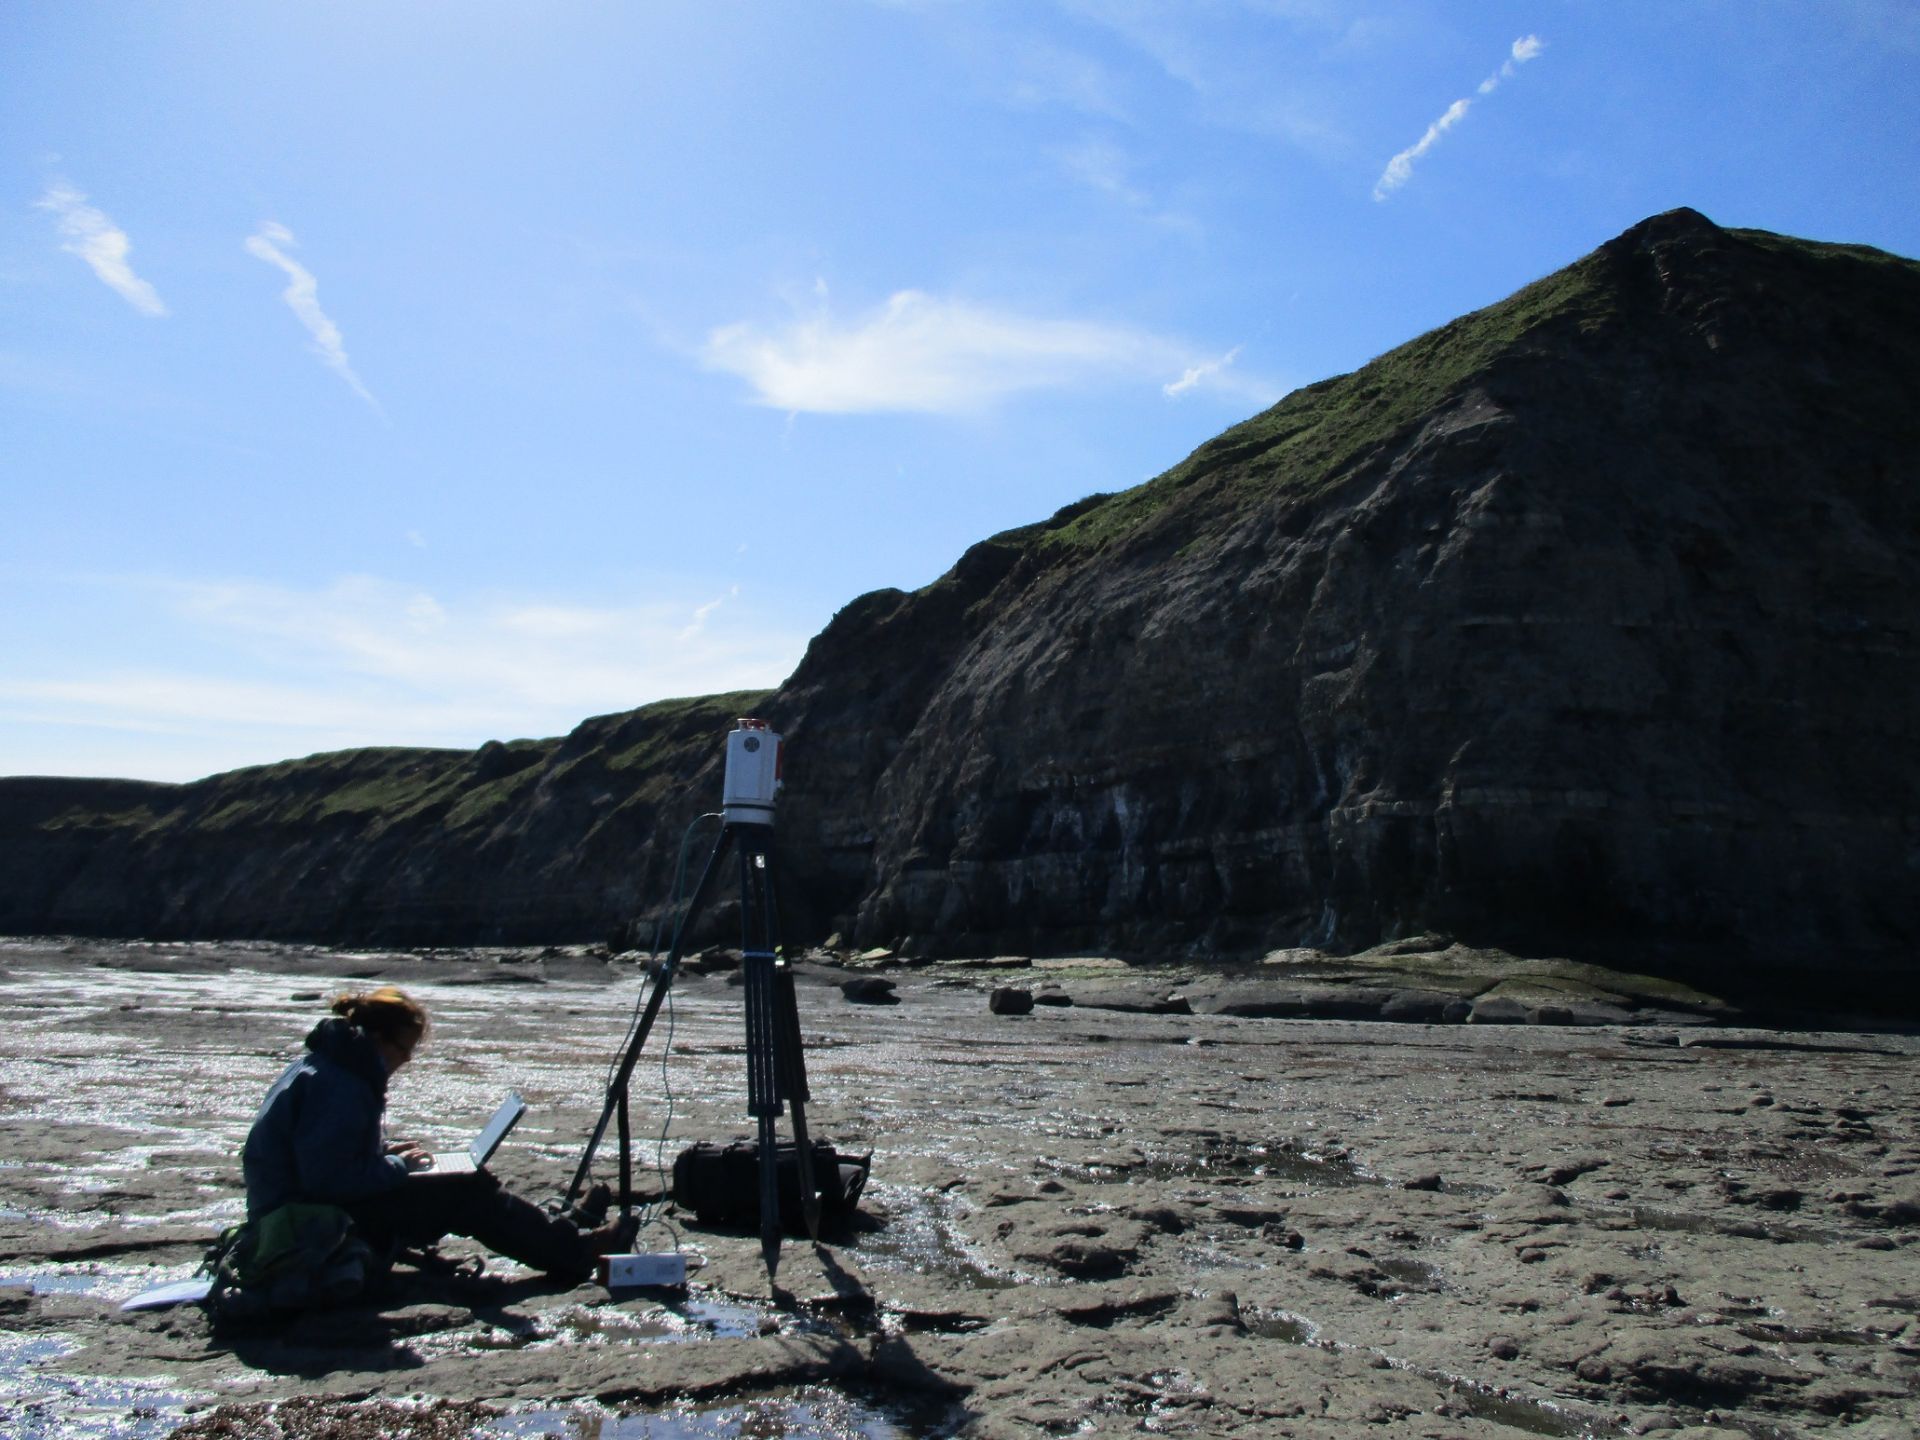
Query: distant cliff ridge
point(1587, 622)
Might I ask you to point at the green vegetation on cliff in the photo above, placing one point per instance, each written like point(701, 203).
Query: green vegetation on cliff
point(383, 787)
point(1313, 437)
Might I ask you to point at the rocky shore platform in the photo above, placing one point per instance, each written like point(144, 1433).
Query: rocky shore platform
point(1422, 1192)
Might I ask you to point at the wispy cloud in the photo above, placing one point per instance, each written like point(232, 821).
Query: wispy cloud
point(1205, 372)
point(1045, 74)
point(703, 613)
point(1400, 168)
point(921, 354)
point(1523, 50)
point(88, 233)
point(303, 298)
point(279, 670)
point(493, 649)
point(1205, 49)
point(1105, 168)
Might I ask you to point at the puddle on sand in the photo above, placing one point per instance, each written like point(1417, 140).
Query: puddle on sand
point(723, 1321)
point(921, 1236)
point(599, 1325)
point(1280, 1162)
point(1683, 1223)
point(811, 1413)
point(38, 1404)
point(1531, 1417)
point(1409, 1276)
point(1777, 1334)
point(1280, 1325)
point(112, 1283)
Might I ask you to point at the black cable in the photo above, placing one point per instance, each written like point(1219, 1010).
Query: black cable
point(657, 1214)
point(656, 1211)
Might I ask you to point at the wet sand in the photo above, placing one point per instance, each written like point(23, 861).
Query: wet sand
point(1081, 1220)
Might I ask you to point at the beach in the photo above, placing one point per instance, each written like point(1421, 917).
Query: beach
point(1103, 1217)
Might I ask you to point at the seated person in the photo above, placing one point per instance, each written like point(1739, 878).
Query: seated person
point(318, 1138)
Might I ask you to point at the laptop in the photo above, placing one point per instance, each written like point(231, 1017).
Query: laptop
point(476, 1155)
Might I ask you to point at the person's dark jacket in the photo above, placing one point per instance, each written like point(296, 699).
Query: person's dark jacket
point(317, 1136)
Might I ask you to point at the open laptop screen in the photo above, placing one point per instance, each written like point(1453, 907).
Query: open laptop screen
point(504, 1119)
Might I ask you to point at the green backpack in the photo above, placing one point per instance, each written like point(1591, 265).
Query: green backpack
point(299, 1257)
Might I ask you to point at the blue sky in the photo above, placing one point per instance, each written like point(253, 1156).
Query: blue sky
point(425, 373)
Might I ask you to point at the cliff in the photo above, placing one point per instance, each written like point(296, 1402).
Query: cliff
point(1586, 622)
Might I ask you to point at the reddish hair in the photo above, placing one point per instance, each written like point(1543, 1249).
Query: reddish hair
point(388, 1013)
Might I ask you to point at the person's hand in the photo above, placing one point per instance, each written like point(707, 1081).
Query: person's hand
point(412, 1153)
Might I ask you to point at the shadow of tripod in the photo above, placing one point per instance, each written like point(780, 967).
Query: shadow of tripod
point(776, 1069)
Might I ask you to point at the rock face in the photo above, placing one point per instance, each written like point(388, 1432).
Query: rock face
point(522, 841)
point(1587, 621)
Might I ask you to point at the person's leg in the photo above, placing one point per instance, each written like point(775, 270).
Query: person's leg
point(521, 1230)
point(424, 1210)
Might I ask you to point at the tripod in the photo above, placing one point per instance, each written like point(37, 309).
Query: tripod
point(776, 1069)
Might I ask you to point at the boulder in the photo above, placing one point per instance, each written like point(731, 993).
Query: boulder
point(869, 990)
point(1010, 1000)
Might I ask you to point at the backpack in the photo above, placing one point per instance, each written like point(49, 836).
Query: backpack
point(299, 1257)
point(721, 1184)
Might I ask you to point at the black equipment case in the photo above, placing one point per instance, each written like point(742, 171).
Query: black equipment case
point(720, 1184)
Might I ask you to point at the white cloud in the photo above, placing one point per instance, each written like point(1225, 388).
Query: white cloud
point(702, 613)
point(1201, 373)
point(303, 298)
point(1400, 168)
point(279, 671)
point(921, 354)
point(88, 233)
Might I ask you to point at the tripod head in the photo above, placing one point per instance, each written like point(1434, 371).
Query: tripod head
point(753, 773)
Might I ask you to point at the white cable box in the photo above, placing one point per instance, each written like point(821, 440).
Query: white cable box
point(619, 1272)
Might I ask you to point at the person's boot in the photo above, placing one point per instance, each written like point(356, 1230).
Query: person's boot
point(590, 1210)
point(612, 1237)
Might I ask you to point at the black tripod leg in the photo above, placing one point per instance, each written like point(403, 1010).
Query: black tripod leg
point(790, 1058)
point(662, 982)
point(793, 1085)
point(626, 1160)
point(763, 1085)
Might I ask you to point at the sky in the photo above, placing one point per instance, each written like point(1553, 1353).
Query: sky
point(395, 372)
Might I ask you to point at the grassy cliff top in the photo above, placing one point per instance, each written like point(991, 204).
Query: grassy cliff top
point(1313, 437)
point(383, 786)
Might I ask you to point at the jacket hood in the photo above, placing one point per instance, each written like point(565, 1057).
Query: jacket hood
point(352, 1049)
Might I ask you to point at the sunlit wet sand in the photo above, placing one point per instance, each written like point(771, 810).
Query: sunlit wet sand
point(1079, 1220)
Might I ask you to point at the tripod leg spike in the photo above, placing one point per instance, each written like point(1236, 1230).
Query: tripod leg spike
point(769, 1196)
